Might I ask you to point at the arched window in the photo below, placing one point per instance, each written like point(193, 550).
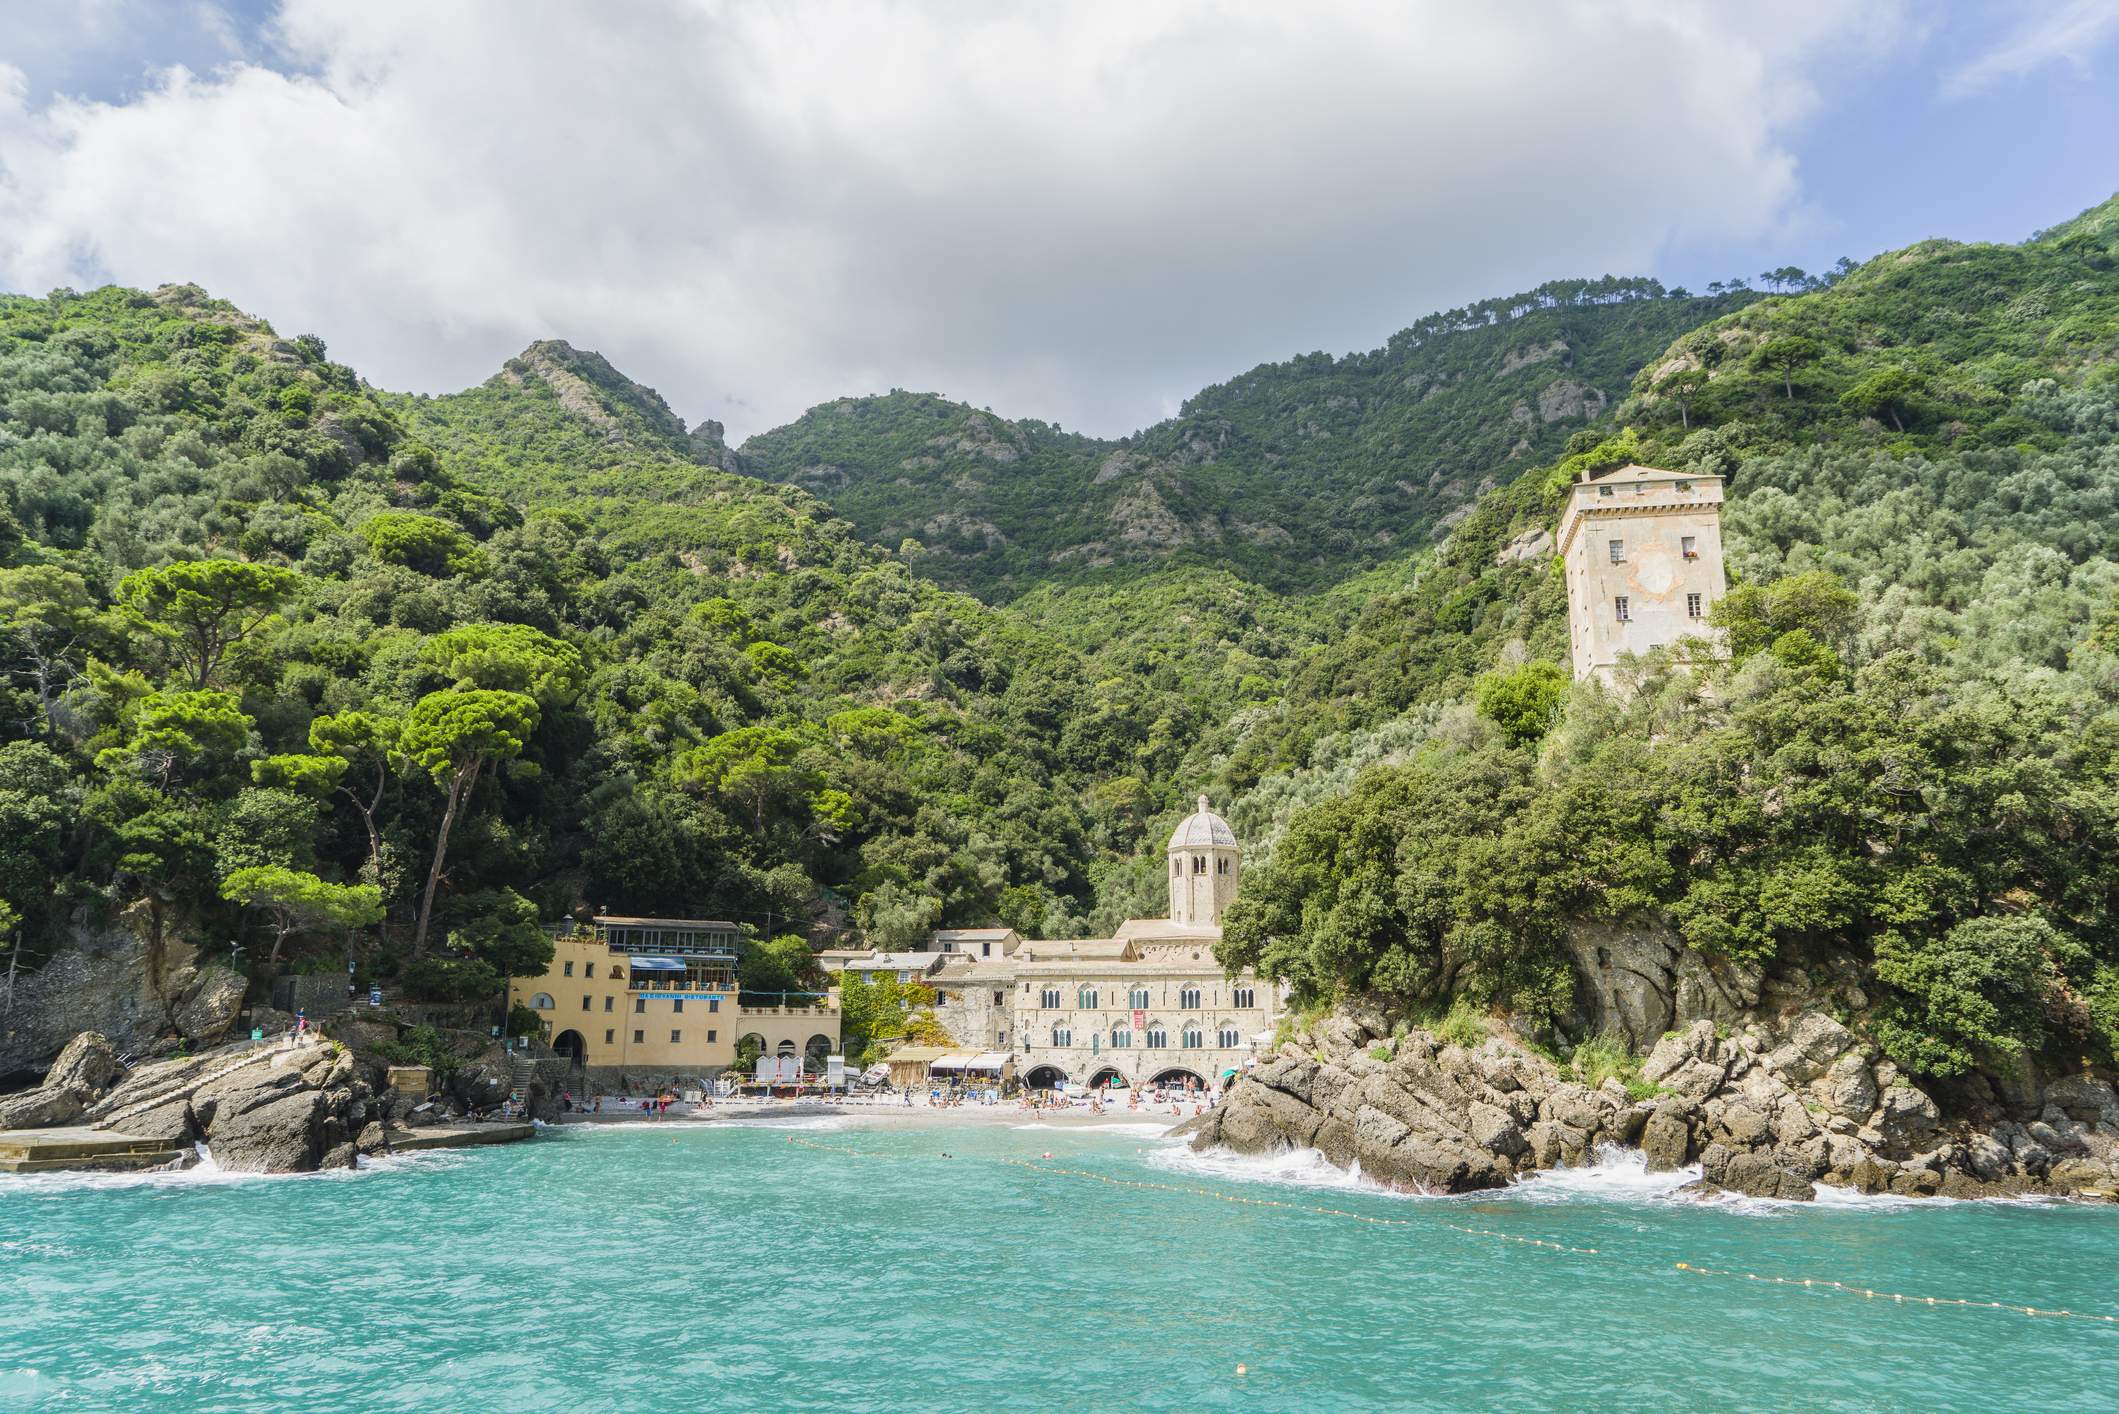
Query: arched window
point(1177, 867)
point(1158, 1039)
point(1188, 998)
point(1245, 998)
point(1086, 999)
point(1137, 998)
point(1062, 1036)
point(1199, 864)
point(1190, 1038)
point(1121, 1038)
point(542, 1001)
point(1221, 866)
point(1049, 999)
point(1228, 1039)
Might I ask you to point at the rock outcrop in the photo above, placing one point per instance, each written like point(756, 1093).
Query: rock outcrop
point(80, 1075)
point(1771, 1112)
point(111, 983)
point(277, 1109)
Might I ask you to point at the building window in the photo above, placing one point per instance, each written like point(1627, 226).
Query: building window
point(585, 1003)
point(609, 1035)
point(711, 1036)
point(1603, 490)
point(1158, 1039)
point(1049, 999)
point(999, 997)
point(1623, 608)
point(1062, 1035)
point(1086, 999)
point(639, 1036)
point(1121, 1038)
point(569, 970)
point(1199, 864)
point(1688, 546)
point(677, 1006)
point(589, 970)
point(1618, 552)
point(1138, 998)
point(541, 1002)
point(1684, 486)
point(607, 1003)
point(1221, 866)
point(1191, 1039)
point(617, 974)
point(675, 1037)
point(1227, 1038)
point(1692, 606)
point(985, 950)
point(639, 1004)
point(713, 1003)
point(1244, 998)
point(1189, 999)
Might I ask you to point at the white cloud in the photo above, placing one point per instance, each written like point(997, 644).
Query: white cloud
point(1077, 211)
point(2068, 32)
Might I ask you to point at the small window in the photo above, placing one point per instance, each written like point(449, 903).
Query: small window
point(1062, 1036)
point(1221, 866)
point(569, 969)
point(607, 1003)
point(585, 1003)
point(639, 1004)
point(713, 1003)
point(677, 1007)
point(1618, 552)
point(711, 1035)
point(999, 997)
point(1049, 999)
point(985, 950)
point(1688, 546)
point(541, 1002)
point(1189, 999)
point(1603, 490)
point(675, 1037)
point(1138, 999)
point(589, 970)
point(1199, 864)
point(1177, 867)
point(1623, 608)
point(1158, 1039)
point(1227, 1038)
point(1244, 1000)
point(1692, 606)
point(1121, 1038)
point(609, 1035)
point(639, 1037)
point(1086, 999)
point(1191, 1039)
point(617, 974)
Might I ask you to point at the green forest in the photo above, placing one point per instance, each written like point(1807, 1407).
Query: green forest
point(305, 672)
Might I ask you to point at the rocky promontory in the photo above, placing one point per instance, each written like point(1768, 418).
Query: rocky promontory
point(1766, 1109)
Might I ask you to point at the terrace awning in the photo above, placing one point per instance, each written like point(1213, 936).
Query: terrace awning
point(658, 964)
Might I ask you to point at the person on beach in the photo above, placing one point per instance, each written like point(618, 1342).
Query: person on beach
point(301, 1022)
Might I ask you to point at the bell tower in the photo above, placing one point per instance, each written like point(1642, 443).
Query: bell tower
point(1205, 866)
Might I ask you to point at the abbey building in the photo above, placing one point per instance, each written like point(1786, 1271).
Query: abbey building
point(1148, 1004)
point(1643, 551)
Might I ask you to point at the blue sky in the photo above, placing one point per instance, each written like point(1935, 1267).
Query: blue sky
point(1082, 212)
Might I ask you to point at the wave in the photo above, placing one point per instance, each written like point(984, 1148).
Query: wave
point(1614, 1175)
point(1290, 1168)
point(1122, 1126)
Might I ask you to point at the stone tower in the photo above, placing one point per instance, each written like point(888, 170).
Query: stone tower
point(1643, 550)
point(1205, 863)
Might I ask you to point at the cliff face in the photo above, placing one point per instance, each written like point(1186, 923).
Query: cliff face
point(1770, 1109)
point(112, 983)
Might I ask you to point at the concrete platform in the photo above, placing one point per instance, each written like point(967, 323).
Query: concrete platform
point(458, 1137)
point(58, 1150)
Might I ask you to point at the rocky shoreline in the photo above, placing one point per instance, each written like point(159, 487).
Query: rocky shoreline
point(1769, 1110)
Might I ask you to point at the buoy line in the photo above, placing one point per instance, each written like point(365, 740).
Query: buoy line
point(1690, 1268)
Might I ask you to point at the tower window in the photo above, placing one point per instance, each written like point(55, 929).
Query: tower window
point(1603, 490)
point(1692, 606)
point(1689, 546)
point(1199, 864)
point(1221, 866)
point(1618, 552)
point(1623, 607)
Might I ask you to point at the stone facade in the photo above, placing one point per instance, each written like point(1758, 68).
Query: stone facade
point(1643, 550)
point(1150, 1002)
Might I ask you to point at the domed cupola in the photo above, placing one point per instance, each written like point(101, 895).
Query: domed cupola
point(1205, 864)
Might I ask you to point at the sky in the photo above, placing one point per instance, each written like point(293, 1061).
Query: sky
point(1080, 211)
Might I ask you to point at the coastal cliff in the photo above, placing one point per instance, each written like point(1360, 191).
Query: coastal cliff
point(1769, 1109)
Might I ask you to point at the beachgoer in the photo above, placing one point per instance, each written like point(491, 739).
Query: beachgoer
point(301, 1021)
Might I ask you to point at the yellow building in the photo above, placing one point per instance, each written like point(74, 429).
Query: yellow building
point(1643, 549)
point(652, 998)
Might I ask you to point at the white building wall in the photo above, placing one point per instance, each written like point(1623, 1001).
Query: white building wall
point(1667, 592)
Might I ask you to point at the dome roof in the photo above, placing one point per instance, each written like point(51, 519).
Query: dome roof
point(1202, 827)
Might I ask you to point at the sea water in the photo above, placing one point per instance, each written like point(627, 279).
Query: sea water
point(684, 1266)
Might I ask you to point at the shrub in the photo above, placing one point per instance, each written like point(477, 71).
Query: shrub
point(438, 979)
point(1463, 1025)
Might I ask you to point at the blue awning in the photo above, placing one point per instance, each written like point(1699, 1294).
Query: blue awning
point(657, 964)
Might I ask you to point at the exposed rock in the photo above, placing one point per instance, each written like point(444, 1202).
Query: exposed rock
point(214, 1001)
point(86, 1066)
point(1666, 1139)
point(1906, 1117)
point(1750, 1172)
point(1533, 544)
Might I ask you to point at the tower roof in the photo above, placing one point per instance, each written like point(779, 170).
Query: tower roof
point(1202, 828)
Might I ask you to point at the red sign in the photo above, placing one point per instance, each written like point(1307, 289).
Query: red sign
point(1140, 1021)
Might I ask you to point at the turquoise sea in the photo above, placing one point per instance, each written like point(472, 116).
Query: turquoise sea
point(723, 1267)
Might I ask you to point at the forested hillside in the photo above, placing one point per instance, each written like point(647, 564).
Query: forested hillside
point(1292, 475)
point(1908, 759)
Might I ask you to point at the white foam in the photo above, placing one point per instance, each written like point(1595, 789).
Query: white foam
point(1290, 1168)
point(1616, 1175)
